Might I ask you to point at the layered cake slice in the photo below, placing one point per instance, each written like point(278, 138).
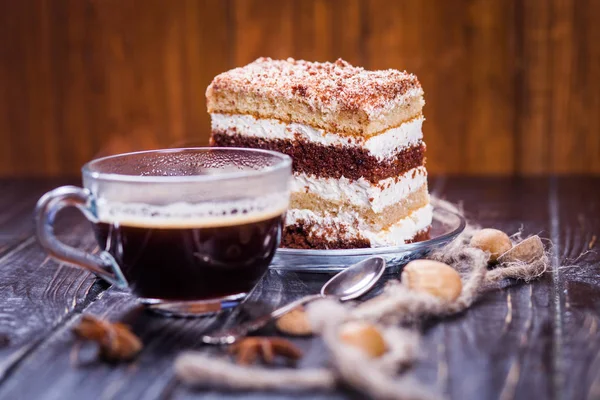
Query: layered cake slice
point(355, 138)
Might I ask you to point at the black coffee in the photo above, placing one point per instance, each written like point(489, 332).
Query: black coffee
point(192, 263)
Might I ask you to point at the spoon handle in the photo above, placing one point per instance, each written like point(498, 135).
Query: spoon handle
point(229, 336)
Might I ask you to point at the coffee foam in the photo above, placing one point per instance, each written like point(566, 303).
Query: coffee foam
point(186, 215)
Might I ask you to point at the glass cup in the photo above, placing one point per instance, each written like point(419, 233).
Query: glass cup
point(188, 231)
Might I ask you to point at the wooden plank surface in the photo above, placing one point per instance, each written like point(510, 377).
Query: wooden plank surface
point(502, 344)
point(17, 202)
point(521, 341)
point(511, 86)
point(37, 294)
point(576, 231)
point(261, 29)
point(533, 87)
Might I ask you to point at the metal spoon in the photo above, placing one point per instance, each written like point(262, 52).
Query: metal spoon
point(348, 284)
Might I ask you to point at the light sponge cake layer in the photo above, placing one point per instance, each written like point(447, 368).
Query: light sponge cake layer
point(336, 97)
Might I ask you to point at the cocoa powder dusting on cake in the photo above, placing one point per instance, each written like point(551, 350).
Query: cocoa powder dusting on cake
point(328, 87)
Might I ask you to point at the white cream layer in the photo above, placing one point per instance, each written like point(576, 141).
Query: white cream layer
point(361, 192)
point(352, 225)
point(382, 146)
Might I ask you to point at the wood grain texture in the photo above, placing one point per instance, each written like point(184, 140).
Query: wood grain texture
point(505, 340)
point(163, 338)
point(533, 88)
point(325, 30)
point(575, 65)
point(18, 200)
point(577, 202)
point(518, 342)
point(489, 116)
point(511, 86)
point(36, 294)
point(261, 29)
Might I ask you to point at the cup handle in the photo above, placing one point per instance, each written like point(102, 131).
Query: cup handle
point(103, 264)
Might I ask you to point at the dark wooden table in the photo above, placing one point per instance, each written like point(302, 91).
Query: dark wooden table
point(540, 340)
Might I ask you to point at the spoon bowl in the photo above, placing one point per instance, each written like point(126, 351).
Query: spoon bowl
point(355, 280)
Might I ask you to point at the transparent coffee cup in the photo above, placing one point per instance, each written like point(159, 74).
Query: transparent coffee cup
point(187, 231)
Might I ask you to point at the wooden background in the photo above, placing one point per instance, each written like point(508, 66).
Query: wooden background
point(512, 86)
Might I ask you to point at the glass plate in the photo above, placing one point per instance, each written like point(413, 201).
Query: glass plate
point(446, 226)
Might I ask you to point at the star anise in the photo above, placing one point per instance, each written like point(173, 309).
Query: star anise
point(249, 349)
point(116, 342)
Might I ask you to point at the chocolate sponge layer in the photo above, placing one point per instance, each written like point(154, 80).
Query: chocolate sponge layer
point(330, 161)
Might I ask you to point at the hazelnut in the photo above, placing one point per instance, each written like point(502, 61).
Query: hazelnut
point(433, 277)
point(294, 323)
point(492, 241)
point(363, 336)
point(526, 251)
